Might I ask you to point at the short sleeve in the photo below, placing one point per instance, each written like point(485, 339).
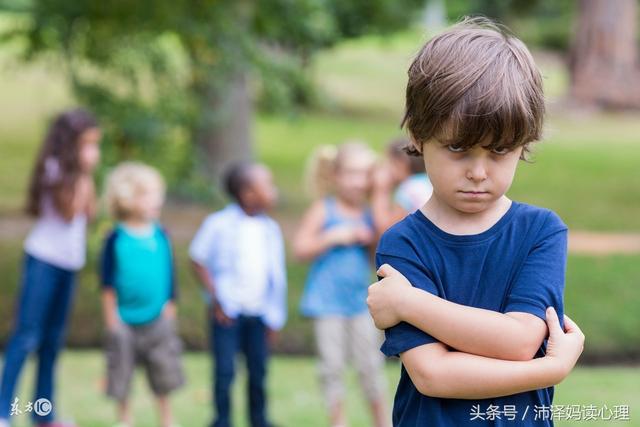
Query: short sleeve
point(171, 254)
point(108, 261)
point(404, 336)
point(540, 282)
point(200, 248)
point(402, 199)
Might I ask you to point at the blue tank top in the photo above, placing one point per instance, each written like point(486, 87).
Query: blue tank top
point(338, 278)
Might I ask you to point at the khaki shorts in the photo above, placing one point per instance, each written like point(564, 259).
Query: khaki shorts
point(156, 346)
point(339, 339)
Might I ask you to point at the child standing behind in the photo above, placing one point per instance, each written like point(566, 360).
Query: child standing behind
point(139, 291)
point(337, 234)
point(400, 186)
point(62, 198)
point(238, 256)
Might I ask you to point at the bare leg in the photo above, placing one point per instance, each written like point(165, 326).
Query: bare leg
point(337, 415)
point(124, 413)
point(379, 412)
point(164, 408)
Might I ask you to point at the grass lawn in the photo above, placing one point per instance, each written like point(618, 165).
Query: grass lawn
point(294, 393)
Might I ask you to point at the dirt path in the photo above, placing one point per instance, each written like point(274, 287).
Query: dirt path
point(591, 243)
point(183, 222)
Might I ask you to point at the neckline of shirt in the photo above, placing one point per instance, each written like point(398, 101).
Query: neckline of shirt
point(468, 238)
point(139, 233)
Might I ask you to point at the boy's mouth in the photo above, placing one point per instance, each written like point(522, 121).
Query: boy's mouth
point(475, 194)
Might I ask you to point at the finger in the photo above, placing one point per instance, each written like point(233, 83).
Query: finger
point(570, 326)
point(386, 270)
point(552, 322)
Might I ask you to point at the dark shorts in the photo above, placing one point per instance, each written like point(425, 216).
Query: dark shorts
point(156, 346)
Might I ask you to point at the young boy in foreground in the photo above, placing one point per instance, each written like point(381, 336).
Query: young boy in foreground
point(486, 271)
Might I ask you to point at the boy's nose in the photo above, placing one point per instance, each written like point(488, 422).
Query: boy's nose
point(477, 171)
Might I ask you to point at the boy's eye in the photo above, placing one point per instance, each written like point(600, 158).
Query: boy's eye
point(455, 149)
point(500, 151)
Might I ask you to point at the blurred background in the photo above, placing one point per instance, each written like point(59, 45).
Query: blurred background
point(190, 86)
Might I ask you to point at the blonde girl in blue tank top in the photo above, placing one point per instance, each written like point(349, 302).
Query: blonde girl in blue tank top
point(336, 235)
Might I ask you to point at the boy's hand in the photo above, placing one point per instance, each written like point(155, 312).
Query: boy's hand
point(272, 337)
point(386, 297)
point(219, 314)
point(564, 347)
point(112, 322)
point(169, 311)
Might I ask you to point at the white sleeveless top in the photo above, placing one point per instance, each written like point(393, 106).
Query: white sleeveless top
point(54, 240)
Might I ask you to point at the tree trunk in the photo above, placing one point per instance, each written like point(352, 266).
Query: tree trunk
point(603, 61)
point(225, 133)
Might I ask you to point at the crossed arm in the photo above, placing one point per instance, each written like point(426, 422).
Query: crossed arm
point(494, 350)
point(507, 336)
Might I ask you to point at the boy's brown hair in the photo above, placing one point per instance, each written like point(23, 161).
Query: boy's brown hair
point(474, 84)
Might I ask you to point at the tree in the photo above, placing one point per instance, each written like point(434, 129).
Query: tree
point(159, 72)
point(604, 61)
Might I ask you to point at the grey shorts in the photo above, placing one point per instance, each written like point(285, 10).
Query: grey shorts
point(156, 346)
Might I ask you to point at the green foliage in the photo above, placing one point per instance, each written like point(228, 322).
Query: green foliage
point(156, 70)
point(543, 23)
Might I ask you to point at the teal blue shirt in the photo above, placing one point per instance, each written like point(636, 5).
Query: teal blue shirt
point(139, 267)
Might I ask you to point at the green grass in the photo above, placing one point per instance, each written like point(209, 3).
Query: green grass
point(294, 392)
point(602, 296)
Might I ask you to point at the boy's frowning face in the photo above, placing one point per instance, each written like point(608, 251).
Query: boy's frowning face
point(469, 181)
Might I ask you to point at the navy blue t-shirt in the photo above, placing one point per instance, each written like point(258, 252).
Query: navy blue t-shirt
point(517, 265)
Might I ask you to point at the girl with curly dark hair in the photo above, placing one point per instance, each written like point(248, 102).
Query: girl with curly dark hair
point(61, 197)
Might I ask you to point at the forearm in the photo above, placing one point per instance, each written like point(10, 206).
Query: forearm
point(385, 212)
point(91, 202)
point(468, 329)
point(204, 278)
point(109, 308)
point(309, 247)
point(83, 196)
point(458, 375)
point(170, 309)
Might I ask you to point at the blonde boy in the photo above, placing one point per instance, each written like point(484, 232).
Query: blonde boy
point(139, 291)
